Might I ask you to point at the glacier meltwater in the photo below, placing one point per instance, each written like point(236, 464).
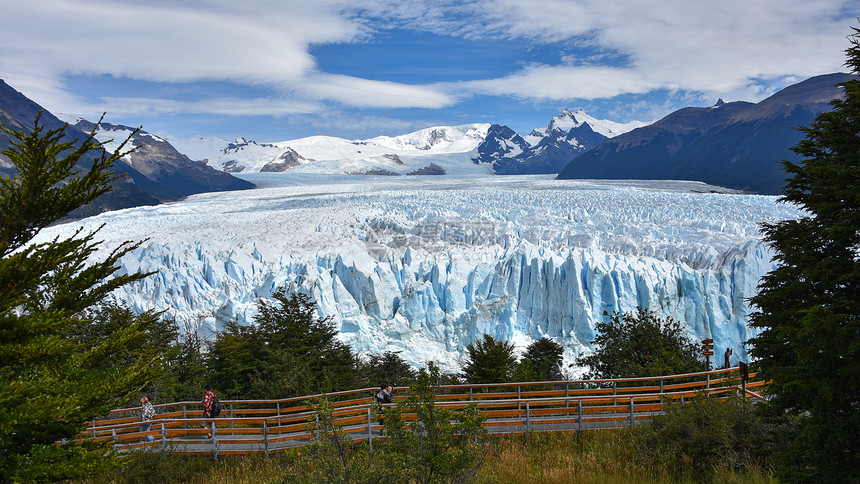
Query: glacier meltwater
point(427, 264)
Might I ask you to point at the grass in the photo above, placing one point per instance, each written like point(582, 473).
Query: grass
point(595, 457)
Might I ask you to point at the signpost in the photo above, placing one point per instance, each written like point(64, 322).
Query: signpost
point(708, 350)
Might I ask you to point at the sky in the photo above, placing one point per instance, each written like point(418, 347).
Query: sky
point(275, 70)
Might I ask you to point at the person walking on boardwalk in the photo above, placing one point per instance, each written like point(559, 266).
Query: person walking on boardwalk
point(384, 395)
point(146, 414)
point(210, 402)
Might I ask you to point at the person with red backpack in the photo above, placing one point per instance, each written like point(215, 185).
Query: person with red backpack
point(211, 408)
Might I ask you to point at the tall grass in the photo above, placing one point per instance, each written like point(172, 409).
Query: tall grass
point(594, 457)
point(597, 457)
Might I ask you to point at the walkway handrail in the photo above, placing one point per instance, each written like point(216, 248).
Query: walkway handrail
point(370, 391)
point(272, 425)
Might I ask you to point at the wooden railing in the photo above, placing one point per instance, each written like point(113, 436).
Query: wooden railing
point(264, 426)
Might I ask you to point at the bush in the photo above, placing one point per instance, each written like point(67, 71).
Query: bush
point(438, 445)
point(709, 436)
point(640, 345)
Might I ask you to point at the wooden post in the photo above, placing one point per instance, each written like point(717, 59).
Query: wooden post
point(265, 438)
point(369, 429)
point(113, 436)
point(214, 441)
point(567, 394)
point(163, 434)
point(470, 393)
point(579, 415)
point(614, 393)
point(528, 418)
point(519, 393)
point(94, 428)
point(632, 412)
point(231, 416)
point(661, 385)
point(184, 416)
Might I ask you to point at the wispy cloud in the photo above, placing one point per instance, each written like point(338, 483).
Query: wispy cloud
point(727, 48)
point(127, 106)
point(352, 91)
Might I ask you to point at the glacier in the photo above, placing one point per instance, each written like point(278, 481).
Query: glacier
point(428, 264)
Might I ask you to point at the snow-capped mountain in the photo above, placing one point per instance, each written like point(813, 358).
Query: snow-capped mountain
point(468, 149)
point(568, 120)
point(445, 146)
point(175, 174)
point(549, 149)
point(428, 264)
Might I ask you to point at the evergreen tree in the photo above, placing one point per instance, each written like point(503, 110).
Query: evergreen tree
point(639, 345)
point(809, 307)
point(541, 361)
point(389, 367)
point(289, 351)
point(60, 365)
point(489, 361)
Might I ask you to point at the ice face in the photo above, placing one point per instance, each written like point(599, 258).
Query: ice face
point(427, 265)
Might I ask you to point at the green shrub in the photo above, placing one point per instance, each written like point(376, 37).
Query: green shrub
point(439, 445)
point(709, 436)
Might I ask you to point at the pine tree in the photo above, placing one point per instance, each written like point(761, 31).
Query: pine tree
point(289, 351)
point(389, 367)
point(809, 307)
point(489, 361)
point(58, 371)
point(541, 361)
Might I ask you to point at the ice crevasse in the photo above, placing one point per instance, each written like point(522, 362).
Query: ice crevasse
point(428, 269)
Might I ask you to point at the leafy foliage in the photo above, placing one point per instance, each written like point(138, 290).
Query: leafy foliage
point(433, 445)
point(489, 361)
point(390, 367)
point(640, 345)
point(441, 444)
point(808, 308)
point(541, 361)
point(709, 436)
point(62, 361)
point(288, 352)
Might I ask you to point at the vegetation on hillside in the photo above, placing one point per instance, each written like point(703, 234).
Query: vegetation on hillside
point(809, 308)
point(64, 358)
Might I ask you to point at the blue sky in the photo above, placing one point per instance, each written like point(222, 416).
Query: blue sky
point(273, 70)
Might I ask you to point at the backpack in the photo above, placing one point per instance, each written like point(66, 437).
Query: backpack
point(216, 407)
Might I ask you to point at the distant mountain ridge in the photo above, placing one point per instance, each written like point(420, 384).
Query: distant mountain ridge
point(547, 150)
point(17, 112)
point(156, 172)
point(470, 148)
point(175, 174)
point(737, 145)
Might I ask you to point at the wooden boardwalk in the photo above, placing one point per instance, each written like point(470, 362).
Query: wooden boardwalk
point(266, 426)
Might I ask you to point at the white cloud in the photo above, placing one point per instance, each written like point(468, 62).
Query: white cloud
point(712, 48)
point(543, 82)
point(353, 91)
point(120, 107)
point(725, 47)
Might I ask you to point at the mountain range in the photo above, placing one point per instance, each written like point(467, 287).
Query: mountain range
point(738, 145)
point(474, 149)
point(155, 172)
